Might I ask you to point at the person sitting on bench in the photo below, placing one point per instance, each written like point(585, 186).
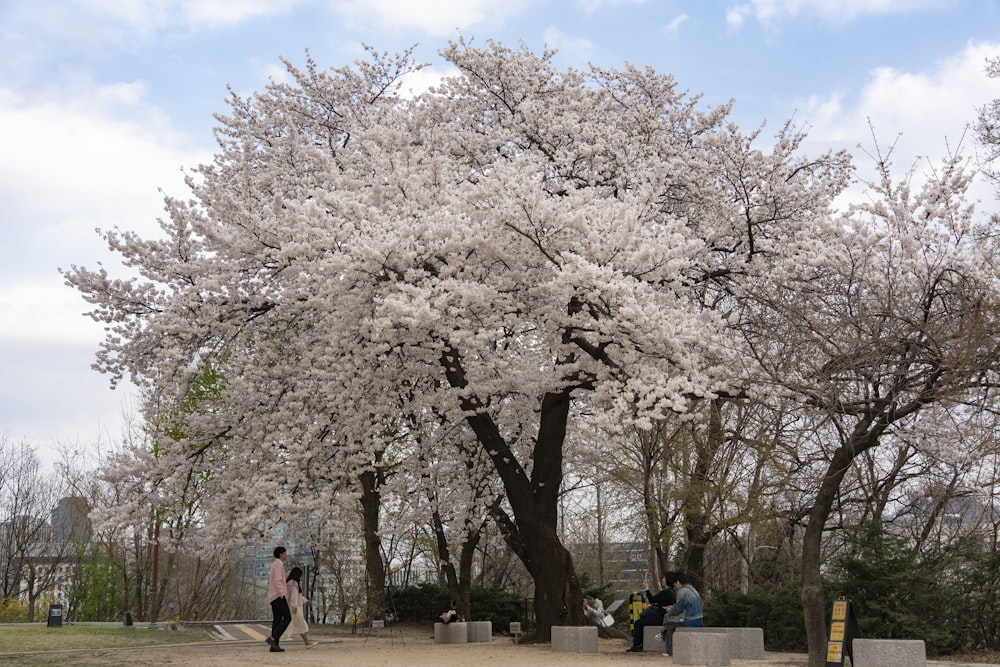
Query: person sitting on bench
point(685, 612)
point(654, 612)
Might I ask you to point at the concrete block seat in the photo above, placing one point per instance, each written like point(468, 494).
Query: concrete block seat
point(889, 653)
point(744, 643)
point(701, 648)
point(480, 631)
point(650, 644)
point(574, 638)
point(451, 633)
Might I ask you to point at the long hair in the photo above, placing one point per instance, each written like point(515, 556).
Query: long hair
point(295, 574)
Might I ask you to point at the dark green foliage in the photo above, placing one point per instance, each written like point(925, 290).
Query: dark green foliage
point(979, 588)
point(424, 602)
point(778, 614)
point(898, 593)
point(497, 605)
point(949, 597)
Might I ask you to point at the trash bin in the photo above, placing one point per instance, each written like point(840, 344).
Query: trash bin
point(55, 616)
point(127, 619)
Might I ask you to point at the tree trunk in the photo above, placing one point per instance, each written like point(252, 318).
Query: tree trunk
point(370, 506)
point(697, 524)
point(650, 451)
point(467, 555)
point(533, 533)
point(813, 600)
point(459, 581)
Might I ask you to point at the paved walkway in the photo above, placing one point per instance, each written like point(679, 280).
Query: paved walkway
point(229, 632)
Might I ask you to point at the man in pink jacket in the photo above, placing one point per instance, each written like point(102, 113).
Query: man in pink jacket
point(277, 595)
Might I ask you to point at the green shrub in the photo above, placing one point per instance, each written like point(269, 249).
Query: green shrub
point(12, 610)
point(424, 602)
point(778, 614)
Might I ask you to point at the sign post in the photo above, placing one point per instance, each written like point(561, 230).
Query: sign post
point(635, 601)
point(843, 630)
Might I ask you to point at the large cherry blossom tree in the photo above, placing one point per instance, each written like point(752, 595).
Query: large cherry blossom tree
point(491, 252)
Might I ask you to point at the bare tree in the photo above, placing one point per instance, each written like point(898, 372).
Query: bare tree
point(897, 313)
point(32, 555)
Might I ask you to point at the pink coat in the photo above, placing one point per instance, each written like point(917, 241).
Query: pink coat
point(276, 587)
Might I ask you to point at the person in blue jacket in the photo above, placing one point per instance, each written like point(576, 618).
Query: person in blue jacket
point(685, 612)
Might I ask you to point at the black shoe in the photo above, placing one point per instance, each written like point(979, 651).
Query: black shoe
point(634, 649)
point(270, 642)
point(277, 649)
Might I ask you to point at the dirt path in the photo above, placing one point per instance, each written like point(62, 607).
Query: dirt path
point(412, 649)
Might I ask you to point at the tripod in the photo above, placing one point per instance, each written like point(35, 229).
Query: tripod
point(390, 612)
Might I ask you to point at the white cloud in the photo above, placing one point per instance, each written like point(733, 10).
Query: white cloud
point(212, 13)
point(50, 395)
point(925, 106)
point(71, 162)
point(151, 14)
point(673, 27)
point(576, 48)
point(417, 83)
point(592, 6)
point(437, 18)
point(929, 111)
point(44, 310)
point(735, 16)
point(68, 166)
point(769, 11)
point(73, 158)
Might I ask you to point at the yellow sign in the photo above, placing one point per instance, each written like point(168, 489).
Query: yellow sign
point(840, 610)
point(834, 652)
point(837, 631)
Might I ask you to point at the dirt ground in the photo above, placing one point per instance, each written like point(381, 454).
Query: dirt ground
point(407, 647)
point(410, 647)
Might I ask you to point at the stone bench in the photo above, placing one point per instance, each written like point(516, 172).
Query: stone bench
point(650, 644)
point(574, 638)
point(888, 653)
point(451, 633)
point(744, 643)
point(480, 631)
point(701, 648)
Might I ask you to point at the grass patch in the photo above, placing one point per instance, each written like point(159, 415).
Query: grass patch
point(32, 638)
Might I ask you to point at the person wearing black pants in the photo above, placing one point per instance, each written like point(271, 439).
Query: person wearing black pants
point(277, 595)
point(654, 611)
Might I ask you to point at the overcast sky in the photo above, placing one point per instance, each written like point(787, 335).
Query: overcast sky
point(103, 103)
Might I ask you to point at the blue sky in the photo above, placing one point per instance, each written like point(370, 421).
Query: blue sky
point(103, 102)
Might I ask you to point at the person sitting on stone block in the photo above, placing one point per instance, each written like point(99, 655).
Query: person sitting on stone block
point(685, 612)
point(593, 609)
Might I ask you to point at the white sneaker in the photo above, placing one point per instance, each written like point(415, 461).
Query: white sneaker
point(657, 637)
